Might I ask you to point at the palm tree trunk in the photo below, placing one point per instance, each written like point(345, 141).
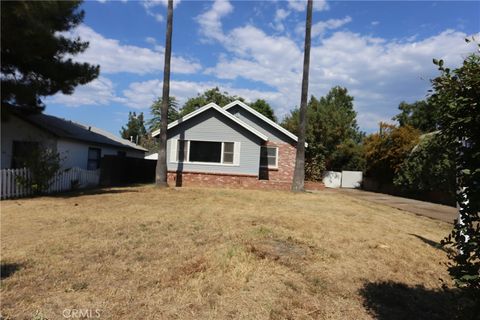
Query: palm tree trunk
point(298, 183)
point(161, 170)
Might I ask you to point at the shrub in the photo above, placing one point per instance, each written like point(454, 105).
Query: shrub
point(43, 164)
point(429, 167)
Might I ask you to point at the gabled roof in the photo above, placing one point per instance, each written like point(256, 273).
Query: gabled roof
point(213, 106)
point(262, 117)
point(71, 130)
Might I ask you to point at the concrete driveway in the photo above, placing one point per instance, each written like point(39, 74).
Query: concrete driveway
point(427, 209)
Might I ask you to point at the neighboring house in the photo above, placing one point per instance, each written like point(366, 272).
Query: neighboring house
point(230, 145)
point(79, 145)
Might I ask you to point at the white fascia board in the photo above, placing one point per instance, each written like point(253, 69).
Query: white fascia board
point(219, 109)
point(262, 117)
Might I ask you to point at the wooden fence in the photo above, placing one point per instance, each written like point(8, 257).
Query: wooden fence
point(65, 180)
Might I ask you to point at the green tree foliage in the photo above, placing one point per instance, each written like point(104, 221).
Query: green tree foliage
point(421, 115)
point(43, 164)
point(36, 54)
point(155, 110)
point(457, 95)
point(348, 155)
point(211, 95)
point(264, 108)
point(429, 167)
point(386, 150)
point(222, 99)
point(332, 131)
point(135, 128)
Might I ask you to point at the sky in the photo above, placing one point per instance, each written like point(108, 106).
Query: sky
point(381, 51)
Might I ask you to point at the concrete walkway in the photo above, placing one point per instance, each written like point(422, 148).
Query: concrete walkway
point(427, 209)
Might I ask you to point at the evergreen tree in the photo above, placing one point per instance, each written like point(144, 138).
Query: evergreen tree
point(135, 128)
point(333, 135)
point(264, 108)
point(36, 54)
point(155, 110)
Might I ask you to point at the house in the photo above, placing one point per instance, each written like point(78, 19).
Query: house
point(78, 145)
point(234, 145)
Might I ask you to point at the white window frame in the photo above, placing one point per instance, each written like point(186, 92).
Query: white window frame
point(236, 155)
point(276, 158)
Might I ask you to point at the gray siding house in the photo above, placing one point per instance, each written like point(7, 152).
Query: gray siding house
point(230, 145)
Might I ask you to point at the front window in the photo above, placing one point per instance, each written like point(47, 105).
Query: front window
point(21, 151)
point(93, 158)
point(205, 151)
point(269, 157)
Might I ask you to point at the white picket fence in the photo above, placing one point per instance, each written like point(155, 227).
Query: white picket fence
point(63, 181)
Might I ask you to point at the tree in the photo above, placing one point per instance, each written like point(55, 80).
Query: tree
point(334, 126)
point(386, 150)
point(156, 111)
point(161, 170)
point(36, 53)
point(298, 182)
point(428, 167)
point(421, 115)
point(212, 95)
point(456, 93)
point(332, 133)
point(135, 128)
point(264, 108)
point(347, 155)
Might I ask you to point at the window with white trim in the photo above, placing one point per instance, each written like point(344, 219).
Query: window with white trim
point(215, 152)
point(269, 157)
point(228, 152)
point(93, 162)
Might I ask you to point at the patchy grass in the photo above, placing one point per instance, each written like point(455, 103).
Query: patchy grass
point(144, 253)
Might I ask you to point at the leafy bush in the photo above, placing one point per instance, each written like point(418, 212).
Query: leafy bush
point(386, 150)
point(314, 168)
point(43, 164)
point(429, 167)
point(457, 95)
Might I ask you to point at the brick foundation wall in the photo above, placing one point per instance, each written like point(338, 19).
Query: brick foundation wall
point(192, 179)
point(223, 180)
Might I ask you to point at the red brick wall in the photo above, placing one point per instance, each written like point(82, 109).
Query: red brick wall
point(231, 181)
point(223, 180)
point(286, 162)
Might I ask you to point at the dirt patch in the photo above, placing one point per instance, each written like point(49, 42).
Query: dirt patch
point(284, 251)
point(189, 269)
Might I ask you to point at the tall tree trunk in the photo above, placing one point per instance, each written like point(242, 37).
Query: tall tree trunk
point(298, 183)
point(161, 170)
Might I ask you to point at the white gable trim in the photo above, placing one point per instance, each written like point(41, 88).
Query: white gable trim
point(262, 117)
point(222, 111)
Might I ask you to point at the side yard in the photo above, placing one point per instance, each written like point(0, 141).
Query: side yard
point(188, 253)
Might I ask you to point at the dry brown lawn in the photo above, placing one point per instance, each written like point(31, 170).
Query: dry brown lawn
point(187, 253)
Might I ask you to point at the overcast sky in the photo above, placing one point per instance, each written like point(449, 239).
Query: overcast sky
point(380, 51)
